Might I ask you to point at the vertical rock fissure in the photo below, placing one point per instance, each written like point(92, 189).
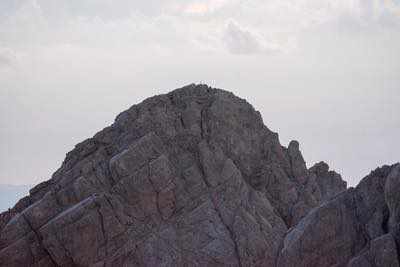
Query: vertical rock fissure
point(361, 227)
point(96, 175)
point(103, 230)
point(203, 173)
point(202, 123)
point(230, 231)
point(113, 209)
point(280, 248)
point(67, 252)
point(156, 191)
point(203, 118)
point(40, 240)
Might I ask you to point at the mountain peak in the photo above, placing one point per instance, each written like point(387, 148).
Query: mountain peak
point(191, 177)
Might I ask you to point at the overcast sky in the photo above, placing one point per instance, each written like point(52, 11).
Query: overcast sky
point(325, 73)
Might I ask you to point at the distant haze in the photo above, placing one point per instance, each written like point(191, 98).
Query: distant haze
point(325, 73)
point(10, 194)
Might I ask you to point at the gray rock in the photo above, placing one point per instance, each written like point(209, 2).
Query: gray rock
point(194, 178)
point(329, 182)
point(297, 163)
point(392, 195)
point(327, 236)
point(382, 252)
point(341, 229)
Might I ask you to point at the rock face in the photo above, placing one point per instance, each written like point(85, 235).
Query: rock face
point(350, 229)
point(194, 178)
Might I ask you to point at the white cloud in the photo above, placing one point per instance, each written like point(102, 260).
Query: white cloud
point(214, 25)
point(205, 7)
point(8, 58)
point(79, 55)
point(242, 41)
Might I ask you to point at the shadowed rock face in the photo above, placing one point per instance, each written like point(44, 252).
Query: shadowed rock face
point(352, 228)
point(194, 178)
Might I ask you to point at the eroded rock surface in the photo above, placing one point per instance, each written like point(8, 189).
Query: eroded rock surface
point(350, 229)
point(194, 178)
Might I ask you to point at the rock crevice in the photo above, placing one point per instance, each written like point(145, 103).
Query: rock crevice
point(194, 177)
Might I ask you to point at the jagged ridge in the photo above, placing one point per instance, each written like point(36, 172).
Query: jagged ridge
point(192, 177)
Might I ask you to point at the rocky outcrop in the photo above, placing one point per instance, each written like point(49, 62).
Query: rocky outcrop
point(351, 228)
point(194, 178)
point(380, 252)
point(329, 182)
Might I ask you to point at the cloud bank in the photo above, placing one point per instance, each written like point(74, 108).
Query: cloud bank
point(319, 71)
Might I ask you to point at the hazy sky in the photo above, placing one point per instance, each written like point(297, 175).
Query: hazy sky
point(326, 73)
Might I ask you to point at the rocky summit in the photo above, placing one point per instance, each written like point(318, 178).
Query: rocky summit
point(195, 178)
